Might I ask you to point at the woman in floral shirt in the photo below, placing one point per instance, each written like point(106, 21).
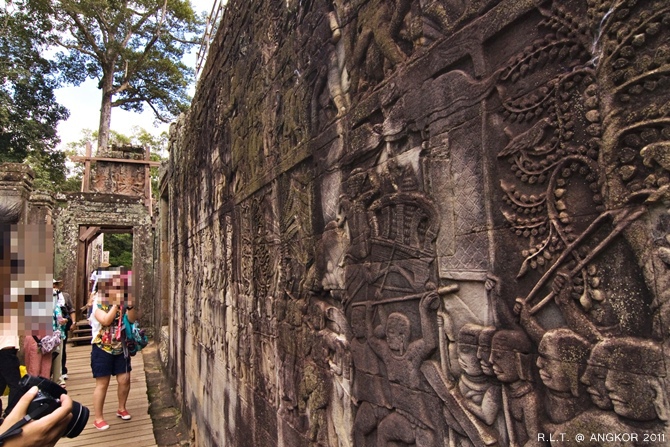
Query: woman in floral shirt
point(107, 356)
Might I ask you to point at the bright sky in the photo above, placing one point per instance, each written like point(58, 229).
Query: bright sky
point(84, 104)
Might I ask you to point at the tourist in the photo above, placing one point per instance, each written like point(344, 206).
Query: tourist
point(64, 302)
point(39, 352)
point(107, 355)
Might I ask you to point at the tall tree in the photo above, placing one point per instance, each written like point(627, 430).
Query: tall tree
point(134, 48)
point(29, 113)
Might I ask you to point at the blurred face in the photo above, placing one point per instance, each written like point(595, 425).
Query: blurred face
point(27, 305)
point(631, 395)
point(111, 290)
point(555, 374)
point(467, 359)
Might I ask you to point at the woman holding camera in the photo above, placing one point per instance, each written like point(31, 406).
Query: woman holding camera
point(107, 355)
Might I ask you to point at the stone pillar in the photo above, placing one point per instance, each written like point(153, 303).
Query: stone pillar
point(41, 208)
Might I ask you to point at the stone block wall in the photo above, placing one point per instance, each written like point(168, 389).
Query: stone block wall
point(423, 223)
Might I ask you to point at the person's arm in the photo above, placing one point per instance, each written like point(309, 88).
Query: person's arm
point(44, 432)
point(70, 308)
point(106, 318)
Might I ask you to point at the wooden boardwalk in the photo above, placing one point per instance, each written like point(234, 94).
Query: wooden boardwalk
point(137, 432)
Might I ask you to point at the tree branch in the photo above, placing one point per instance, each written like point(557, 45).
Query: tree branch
point(149, 44)
point(77, 48)
point(90, 38)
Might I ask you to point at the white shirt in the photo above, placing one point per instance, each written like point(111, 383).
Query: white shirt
point(96, 326)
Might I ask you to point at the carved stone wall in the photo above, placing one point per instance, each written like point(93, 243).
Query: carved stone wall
point(398, 223)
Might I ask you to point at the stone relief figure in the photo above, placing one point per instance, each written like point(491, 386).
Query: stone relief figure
point(561, 360)
point(484, 350)
point(379, 24)
point(511, 359)
point(634, 383)
point(411, 421)
point(479, 393)
point(562, 355)
point(370, 387)
point(624, 378)
point(353, 217)
point(337, 336)
point(338, 75)
point(484, 355)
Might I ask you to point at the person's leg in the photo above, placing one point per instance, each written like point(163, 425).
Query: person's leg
point(122, 370)
point(99, 394)
point(58, 366)
point(102, 366)
point(64, 357)
point(123, 381)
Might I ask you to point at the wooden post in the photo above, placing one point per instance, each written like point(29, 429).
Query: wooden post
point(147, 179)
point(86, 182)
point(81, 285)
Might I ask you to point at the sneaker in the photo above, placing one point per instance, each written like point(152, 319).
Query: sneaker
point(123, 415)
point(102, 425)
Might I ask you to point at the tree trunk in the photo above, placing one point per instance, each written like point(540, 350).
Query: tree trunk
point(105, 111)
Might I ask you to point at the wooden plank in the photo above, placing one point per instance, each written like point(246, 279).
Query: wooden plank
point(86, 182)
point(88, 234)
point(80, 292)
point(115, 160)
point(137, 432)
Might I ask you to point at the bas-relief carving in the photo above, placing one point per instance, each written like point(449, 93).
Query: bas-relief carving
point(119, 178)
point(582, 182)
point(507, 382)
point(402, 331)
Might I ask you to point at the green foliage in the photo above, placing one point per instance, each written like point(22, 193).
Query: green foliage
point(29, 113)
point(120, 247)
point(134, 48)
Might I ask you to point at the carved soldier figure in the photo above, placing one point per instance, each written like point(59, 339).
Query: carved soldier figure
point(561, 361)
point(411, 421)
point(628, 370)
point(480, 394)
point(379, 23)
point(484, 356)
point(484, 349)
point(511, 359)
point(635, 368)
point(370, 388)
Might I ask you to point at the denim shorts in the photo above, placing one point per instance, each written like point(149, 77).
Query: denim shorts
point(104, 364)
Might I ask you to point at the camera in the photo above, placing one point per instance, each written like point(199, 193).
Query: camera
point(47, 400)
